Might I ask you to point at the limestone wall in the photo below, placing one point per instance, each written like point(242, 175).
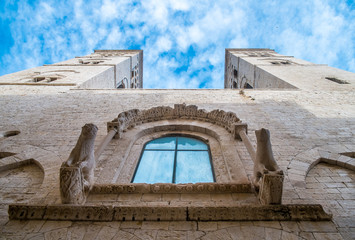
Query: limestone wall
point(303, 130)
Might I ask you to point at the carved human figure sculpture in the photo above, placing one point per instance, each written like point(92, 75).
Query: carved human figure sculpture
point(264, 161)
point(77, 173)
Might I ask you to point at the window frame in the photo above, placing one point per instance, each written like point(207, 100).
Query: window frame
point(175, 155)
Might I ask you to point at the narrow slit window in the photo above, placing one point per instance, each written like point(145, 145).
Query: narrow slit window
point(174, 159)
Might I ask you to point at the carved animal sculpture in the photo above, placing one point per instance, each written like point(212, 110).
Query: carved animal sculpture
point(82, 155)
point(264, 161)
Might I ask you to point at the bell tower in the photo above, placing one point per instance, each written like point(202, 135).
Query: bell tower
point(262, 68)
point(103, 69)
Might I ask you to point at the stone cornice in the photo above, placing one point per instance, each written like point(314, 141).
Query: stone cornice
point(292, 212)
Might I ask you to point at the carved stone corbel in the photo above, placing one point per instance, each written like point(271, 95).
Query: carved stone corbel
point(268, 177)
point(71, 185)
point(77, 173)
point(271, 188)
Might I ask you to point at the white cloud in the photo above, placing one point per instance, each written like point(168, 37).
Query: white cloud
point(182, 5)
point(108, 11)
point(163, 44)
point(112, 37)
point(182, 40)
point(195, 35)
point(155, 13)
point(44, 15)
point(186, 35)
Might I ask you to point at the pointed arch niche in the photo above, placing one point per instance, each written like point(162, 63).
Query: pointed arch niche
point(135, 128)
point(302, 163)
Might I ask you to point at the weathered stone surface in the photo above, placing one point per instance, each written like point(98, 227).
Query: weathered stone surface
point(172, 188)
point(228, 167)
point(264, 161)
point(250, 213)
point(169, 213)
point(71, 185)
point(315, 121)
point(131, 118)
point(271, 188)
point(82, 213)
point(268, 177)
point(150, 213)
point(77, 173)
point(26, 212)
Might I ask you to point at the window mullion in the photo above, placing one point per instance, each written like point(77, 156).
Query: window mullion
point(175, 155)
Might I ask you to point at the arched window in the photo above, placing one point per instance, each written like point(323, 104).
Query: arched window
point(174, 159)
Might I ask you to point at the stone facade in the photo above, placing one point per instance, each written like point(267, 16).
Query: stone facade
point(311, 126)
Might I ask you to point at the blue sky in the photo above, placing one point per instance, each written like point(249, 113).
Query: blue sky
point(183, 40)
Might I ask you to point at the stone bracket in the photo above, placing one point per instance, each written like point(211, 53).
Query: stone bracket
point(75, 183)
point(271, 188)
point(71, 185)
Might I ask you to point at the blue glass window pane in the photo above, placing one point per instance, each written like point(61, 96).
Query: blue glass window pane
point(155, 167)
point(193, 167)
point(162, 143)
point(185, 143)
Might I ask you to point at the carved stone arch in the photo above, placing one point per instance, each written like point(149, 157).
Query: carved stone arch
point(13, 162)
point(23, 178)
point(129, 127)
point(136, 127)
point(118, 168)
point(301, 164)
point(134, 117)
point(226, 162)
point(46, 160)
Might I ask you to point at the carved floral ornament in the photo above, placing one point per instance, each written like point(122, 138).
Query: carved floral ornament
point(171, 188)
point(131, 118)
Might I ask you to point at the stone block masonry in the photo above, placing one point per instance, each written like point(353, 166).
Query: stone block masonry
point(311, 125)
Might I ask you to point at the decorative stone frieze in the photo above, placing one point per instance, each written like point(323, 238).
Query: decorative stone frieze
point(171, 188)
point(82, 213)
point(61, 212)
point(77, 173)
point(133, 117)
point(259, 213)
point(294, 212)
point(150, 213)
point(26, 212)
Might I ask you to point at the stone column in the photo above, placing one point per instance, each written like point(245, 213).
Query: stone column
point(241, 130)
point(105, 142)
